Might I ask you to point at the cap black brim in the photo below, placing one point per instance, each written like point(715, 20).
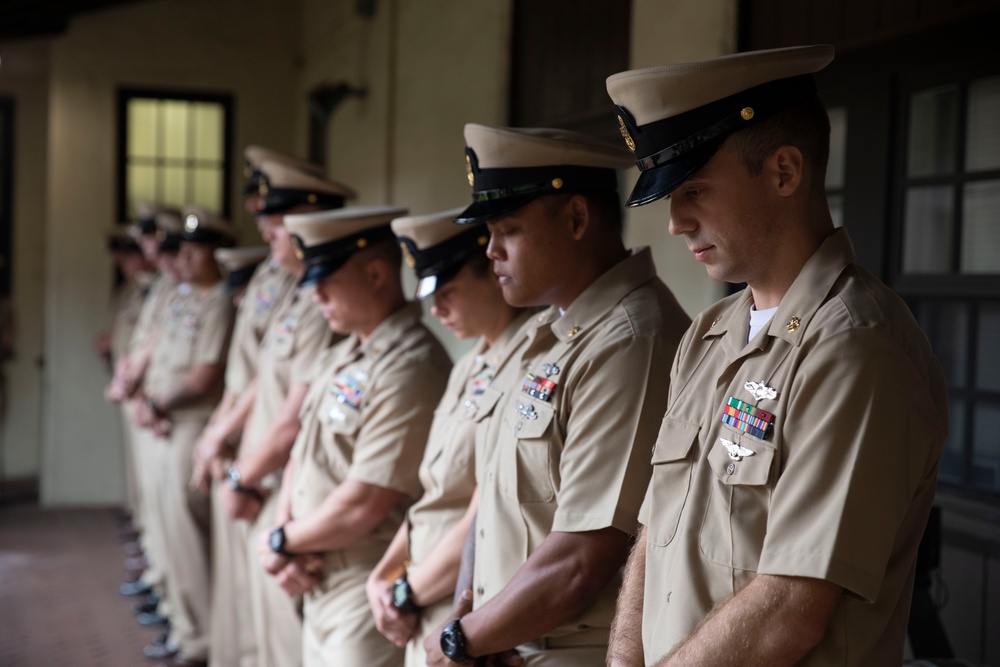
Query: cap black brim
point(661, 181)
point(482, 211)
point(317, 271)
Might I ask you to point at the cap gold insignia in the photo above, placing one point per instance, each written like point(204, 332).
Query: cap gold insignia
point(746, 113)
point(262, 188)
point(793, 324)
point(297, 244)
point(574, 331)
point(483, 240)
point(625, 135)
point(311, 198)
point(468, 169)
point(191, 223)
point(362, 243)
point(557, 183)
point(408, 257)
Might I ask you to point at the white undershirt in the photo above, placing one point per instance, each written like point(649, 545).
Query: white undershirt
point(759, 320)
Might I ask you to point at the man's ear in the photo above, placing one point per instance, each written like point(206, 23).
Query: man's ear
point(578, 210)
point(785, 168)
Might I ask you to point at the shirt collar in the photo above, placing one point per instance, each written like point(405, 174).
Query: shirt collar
point(391, 329)
point(601, 296)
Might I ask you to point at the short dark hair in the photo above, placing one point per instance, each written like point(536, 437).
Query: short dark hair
point(805, 126)
point(388, 251)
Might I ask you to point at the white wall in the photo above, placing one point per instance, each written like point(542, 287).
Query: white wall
point(24, 77)
point(243, 47)
point(663, 33)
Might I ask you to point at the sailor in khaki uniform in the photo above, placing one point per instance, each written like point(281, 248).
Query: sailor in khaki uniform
point(295, 338)
point(233, 628)
point(365, 421)
point(795, 466)
point(181, 386)
point(411, 589)
point(561, 463)
point(238, 266)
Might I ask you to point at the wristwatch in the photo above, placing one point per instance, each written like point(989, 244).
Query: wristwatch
point(276, 540)
point(453, 643)
point(233, 481)
point(402, 597)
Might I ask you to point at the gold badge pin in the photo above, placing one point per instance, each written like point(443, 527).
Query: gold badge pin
point(746, 113)
point(468, 169)
point(298, 246)
point(408, 257)
point(362, 243)
point(572, 332)
point(311, 198)
point(262, 188)
point(483, 240)
point(793, 324)
point(625, 135)
point(557, 183)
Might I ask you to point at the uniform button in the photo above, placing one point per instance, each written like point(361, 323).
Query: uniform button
point(731, 468)
point(482, 533)
point(480, 591)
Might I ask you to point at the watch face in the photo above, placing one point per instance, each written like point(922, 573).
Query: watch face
point(400, 593)
point(277, 540)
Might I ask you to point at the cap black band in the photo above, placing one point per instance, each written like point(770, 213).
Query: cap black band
point(282, 200)
point(146, 225)
point(237, 278)
point(170, 242)
point(688, 131)
point(207, 236)
point(325, 258)
point(509, 182)
point(446, 255)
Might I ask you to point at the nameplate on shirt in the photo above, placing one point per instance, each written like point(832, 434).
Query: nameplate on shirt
point(748, 418)
point(538, 387)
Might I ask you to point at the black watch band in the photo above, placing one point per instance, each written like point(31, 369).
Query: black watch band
point(276, 540)
point(453, 643)
point(233, 481)
point(402, 597)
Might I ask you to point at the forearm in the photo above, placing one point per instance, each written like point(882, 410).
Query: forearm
point(284, 511)
point(270, 454)
point(197, 384)
point(559, 581)
point(393, 561)
point(234, 418)
point(625, 649)
point(350, 512)
point(774, 620)
point(467, 568)
point(436, 577)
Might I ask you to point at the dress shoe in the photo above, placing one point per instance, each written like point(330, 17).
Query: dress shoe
point(128, 534)
point(152, 620)
point(181, 660)
point(133, 548)
point(136, 563)
point(135, 587)
point(147, 605)
point(164, 651)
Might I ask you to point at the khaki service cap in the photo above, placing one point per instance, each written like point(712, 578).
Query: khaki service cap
point(436, 248)
point(240, 263)
point(203, 226)
point(283, 187)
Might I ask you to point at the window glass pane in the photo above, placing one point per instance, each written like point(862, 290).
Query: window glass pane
point(175, 129)
point(208, 124)
point(946, 324)
point(982, 140)
point(986, 447)
point(141, 128)
point(952, 468)
point(140, 184)
point(838, 146)
point(174, 186)
point(987, 349)
point(927, 236)
point(836, 204)
point(208, 188)
point(933, 131)
point(981, 228)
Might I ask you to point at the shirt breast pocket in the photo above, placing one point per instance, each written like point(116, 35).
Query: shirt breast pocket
point(736, 521)
point(283, 345)
point(671, 480)
point(526, 472)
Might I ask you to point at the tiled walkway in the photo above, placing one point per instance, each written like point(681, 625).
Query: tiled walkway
point(59, 601)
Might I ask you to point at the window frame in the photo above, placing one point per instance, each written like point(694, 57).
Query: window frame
point(125, 94)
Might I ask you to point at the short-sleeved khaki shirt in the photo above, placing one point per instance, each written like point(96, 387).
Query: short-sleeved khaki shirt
point(812, 451)
point(195, 332)
point(567, 446)
point(128, 307)
point(448, 471)
point(367, 416)
point(269, 286)
point(294, 341)
point(162, 289)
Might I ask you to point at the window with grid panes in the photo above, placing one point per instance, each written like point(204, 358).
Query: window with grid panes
point(949, 259)
point(174, 150)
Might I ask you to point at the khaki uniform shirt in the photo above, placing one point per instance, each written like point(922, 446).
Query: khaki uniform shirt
point(162, 289)
point(448, 472)
point(295, 339)
point(128, 307)
point(195, 331)
point(831, 476)
point(366, 417)
point(269, 286)
point(567, 446)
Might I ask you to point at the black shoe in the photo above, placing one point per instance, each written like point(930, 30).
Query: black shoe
point(137, 587)
point(152, 620)
point(147, 605)
point(164, 651)
point(133, 548)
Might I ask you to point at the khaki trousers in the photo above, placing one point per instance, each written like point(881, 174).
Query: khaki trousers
point(149, 459)
point(277, 618)
point(339, 628)
point(430, 620)
point(233, 640)
point(576, 656)
point(185, 518)
point(133, 492)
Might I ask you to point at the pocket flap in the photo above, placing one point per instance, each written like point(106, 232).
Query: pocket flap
point(674, 440)
point(484, 403)
point(530, 419)
point(750, 470)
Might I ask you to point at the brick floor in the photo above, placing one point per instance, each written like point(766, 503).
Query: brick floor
point(59, 602)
